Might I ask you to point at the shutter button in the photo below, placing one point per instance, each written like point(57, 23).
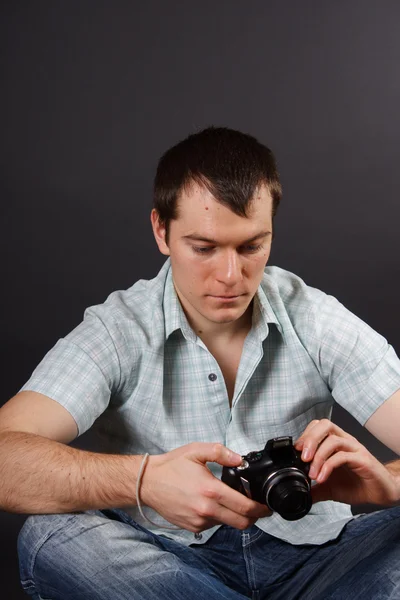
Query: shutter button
point(212, 377)
point(198, 536)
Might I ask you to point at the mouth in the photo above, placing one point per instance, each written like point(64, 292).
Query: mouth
point(227, 298)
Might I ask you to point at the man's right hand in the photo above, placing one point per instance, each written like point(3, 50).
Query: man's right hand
point(179, 486)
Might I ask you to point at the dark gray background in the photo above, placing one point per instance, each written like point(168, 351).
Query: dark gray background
point(93, 92)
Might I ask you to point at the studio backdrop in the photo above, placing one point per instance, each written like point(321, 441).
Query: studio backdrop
point(92, 93)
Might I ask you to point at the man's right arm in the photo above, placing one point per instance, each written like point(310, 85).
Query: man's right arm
point(40, 473)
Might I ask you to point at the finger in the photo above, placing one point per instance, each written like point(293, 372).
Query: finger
point(251, 510)
point(233, 519)
point(299, 443)
point(239, 503)
point(210, 452)
point(243, 515)
point(216, 507)
point(238, 517)
point(352, 459)
point(329, 446)
point(316, 434)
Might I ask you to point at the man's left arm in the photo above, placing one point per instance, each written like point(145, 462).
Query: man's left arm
point(385, 422)
point(384, 425)
point(344, 469)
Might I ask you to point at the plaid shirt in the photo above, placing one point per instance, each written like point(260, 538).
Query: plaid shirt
point(136, 371)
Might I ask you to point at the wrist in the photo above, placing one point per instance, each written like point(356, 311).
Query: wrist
point(146, 486)
point(393, 469)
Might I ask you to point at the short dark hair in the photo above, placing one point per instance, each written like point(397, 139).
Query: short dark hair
point(229, 163)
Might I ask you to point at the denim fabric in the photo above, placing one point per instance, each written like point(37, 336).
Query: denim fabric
point(105, 555)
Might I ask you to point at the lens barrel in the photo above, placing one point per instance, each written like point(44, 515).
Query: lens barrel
point(288, 492)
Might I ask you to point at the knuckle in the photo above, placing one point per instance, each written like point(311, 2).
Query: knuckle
point(318, 459)
point(245, 511)
point(197, 527)
point(217, 449)
point(335, 439)
point(249, 510)
point(246, 523)
point(211, 494)
point(193, 447)
point(340, 456)
point(204, 510)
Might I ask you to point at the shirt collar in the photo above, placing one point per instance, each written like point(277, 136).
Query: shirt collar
point(263, 315)
point(175, 317)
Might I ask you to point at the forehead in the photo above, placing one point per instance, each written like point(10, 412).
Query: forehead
point(199, 211)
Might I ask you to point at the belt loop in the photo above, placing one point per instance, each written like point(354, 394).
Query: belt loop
point(245, 538)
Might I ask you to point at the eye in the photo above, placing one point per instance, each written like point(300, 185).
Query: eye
point(251, 248)
point(202, 249)
point(247, 249)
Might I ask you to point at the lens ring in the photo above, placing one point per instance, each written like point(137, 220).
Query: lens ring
point(281, 473)
point(275, 478)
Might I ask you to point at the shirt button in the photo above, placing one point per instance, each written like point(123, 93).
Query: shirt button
point(212, 377)
point(198, 536)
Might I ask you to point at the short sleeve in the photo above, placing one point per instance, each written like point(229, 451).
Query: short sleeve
point(81, 371)
point(359, 366)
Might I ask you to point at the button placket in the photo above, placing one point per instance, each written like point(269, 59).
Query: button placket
point(214, 373)
point(252, 345)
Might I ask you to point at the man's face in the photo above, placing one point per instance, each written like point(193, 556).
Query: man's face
point(217, 257)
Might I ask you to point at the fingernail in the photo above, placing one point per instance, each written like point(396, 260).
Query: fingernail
point(306, 455)
point(312, 472)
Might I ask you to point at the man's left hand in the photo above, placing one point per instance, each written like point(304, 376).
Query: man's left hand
point(343, 468)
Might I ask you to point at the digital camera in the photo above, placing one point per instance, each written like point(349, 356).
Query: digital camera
point(275, 476)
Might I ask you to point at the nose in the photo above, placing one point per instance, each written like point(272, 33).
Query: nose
point(228, 268)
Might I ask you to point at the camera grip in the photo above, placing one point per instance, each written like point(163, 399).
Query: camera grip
point(231, 478)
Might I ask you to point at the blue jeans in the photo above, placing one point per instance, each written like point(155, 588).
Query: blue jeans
point(105, 555)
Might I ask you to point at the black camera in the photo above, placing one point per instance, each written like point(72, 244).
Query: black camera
point(275, 476)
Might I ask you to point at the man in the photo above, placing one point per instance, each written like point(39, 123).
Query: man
point(197, 367)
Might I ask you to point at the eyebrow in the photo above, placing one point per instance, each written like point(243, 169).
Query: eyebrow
point(200, 238)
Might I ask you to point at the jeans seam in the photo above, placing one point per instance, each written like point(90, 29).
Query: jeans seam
point(255, 537)
point(248, 559)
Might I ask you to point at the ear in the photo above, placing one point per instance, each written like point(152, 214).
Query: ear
point(159, 232)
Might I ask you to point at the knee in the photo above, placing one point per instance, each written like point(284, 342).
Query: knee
point(60, 554)
point(35, 532)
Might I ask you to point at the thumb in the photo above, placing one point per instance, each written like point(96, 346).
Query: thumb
point(214, 453)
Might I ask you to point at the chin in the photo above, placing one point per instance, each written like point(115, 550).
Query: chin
point(225, 316)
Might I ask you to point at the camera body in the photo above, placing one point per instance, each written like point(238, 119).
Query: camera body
point(275, 476)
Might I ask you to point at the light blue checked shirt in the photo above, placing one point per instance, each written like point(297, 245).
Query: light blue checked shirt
point(136, 371)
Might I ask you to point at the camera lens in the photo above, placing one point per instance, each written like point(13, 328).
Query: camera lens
point(287, 492)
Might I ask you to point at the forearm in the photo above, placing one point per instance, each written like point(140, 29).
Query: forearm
point(39, 475)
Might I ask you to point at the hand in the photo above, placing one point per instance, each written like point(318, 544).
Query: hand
point(343, 468)
point(180, 487)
